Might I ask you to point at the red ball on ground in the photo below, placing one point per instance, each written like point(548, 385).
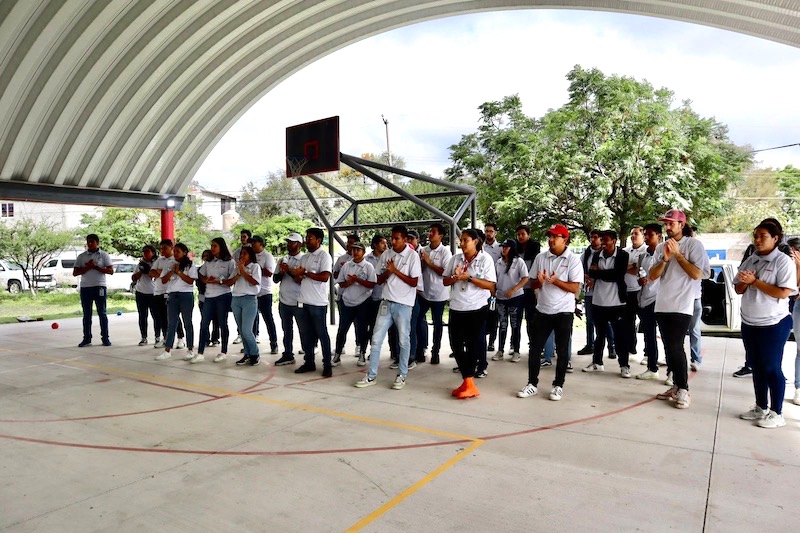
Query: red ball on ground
point(54, 325)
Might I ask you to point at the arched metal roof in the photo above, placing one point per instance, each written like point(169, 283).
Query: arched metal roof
point(119, 102)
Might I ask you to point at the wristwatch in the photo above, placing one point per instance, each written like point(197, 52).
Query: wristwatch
point(469, 279)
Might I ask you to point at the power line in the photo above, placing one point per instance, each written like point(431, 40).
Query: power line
point(774, 148)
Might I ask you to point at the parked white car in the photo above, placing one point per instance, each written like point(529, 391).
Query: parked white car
point(60, 270)
point(721, 305)
point(120, 280)
point(11, 278)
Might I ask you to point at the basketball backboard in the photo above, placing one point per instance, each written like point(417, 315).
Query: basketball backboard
point(312, 147)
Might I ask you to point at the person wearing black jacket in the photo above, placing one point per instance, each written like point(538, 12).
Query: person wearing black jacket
point(528, 249)
point(608, 273)
point(588, 294)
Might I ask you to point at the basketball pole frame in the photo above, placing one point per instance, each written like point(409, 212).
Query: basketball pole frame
point(367, 167)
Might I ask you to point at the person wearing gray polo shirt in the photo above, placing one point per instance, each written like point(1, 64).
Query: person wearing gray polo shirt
point(765, 280)
point(435, 295)
point(356, 279)
point(679, 264)
point(288, 296)
point(92, 266)
point(217, 274)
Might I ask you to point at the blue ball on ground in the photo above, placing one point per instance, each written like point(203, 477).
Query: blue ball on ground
point(119, 313)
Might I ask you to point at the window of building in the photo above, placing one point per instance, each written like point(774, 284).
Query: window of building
point(7, 210)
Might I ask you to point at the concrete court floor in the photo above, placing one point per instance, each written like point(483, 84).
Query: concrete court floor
point(100, 439)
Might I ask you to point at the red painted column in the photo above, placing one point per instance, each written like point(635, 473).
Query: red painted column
point(167, 224)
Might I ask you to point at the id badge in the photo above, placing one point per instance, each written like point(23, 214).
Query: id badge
point(384, 310)
point(299, 304)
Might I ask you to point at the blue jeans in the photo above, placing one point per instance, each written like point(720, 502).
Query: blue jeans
point(648, 317)
point(215, 309)
point(694, 332)
point(288, 313)
point(245, 312)
point(398, 315)
point(437, 314)
point(265, 308)
point(94, 296)
point(796, 322)
point(180, 304)
point(312, 329)
point(510, 311)
point(765, 345)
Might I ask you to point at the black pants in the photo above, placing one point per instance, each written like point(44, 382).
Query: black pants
point(492, 321)
point(358, 316)
point(467, 331)
point(162, 322)
point(145, 304)
point(674, 327)
point(631, 312)
point(543, 326)
point(265, 309)
point(613, 317)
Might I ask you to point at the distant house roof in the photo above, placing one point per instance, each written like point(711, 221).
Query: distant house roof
point(195, 189)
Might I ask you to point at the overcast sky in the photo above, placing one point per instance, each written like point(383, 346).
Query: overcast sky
point(429, 79)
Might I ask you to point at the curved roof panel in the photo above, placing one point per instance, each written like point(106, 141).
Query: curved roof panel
point(119, 103)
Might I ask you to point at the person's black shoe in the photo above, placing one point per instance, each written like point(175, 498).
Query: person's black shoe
point(481, 374)
point(85, 342)
point(255, 361)
point(743, 372)
point(327, 372)
point(612, 354)
point(243, 361)
point(586, 350)
point(435, 359)
point(490, 348)
point(285, 360)
point(421, 359)
point(633, 351)
point(305, 367)
point(106, 342)
point(456, 370)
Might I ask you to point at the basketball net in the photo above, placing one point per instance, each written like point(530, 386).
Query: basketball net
point(296, 165)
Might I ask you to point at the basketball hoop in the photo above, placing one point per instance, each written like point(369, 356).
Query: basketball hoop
point(295, 166)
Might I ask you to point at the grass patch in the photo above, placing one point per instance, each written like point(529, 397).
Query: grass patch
point(56, 304)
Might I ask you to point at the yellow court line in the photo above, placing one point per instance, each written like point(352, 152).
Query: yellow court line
point(380, 511)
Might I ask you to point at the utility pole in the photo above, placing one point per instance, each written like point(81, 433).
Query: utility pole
point(388, 150)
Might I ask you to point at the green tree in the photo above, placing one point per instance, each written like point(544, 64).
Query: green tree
point(616, 153)
point(123, 230)
point(278, 197)
point(755, 198)
point(30, 245)
point(191, 228)
point(276, 229)
point(788, 180)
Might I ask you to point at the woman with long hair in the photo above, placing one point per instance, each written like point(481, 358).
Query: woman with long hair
point(512, 276)
point(765, 281)
point(180, 281)
point(471, 277)
point(217, 274)
point(145, 285)
point(246, 286)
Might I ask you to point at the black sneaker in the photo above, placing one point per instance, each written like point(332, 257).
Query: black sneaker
point(435, 359)
point(481, 374)
point(612, 354)
point(421, 359)
point(586, 350)
point(569, 367)
point(456, 370)
point(285, 360)
point(327, 372)
point(490, 348)
point(743, 372)
point(243, 361)
point(255, 361)
point(337, 358)
point(84, 343)
point(544, 362)
point(106, 342)
point(305, 367)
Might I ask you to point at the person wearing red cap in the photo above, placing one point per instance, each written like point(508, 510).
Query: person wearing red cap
point(680, 264)
point(558, 275)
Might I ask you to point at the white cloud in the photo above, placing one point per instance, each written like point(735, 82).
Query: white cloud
point(429, 79)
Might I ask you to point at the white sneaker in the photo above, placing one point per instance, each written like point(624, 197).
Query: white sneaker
point(625, 372)
point(682, 399)
point(237, 340)
point(643, 361)
point(362, 360)
point(412, 364)
point(399, 382)
point(188, 356)
point(755, 413)
point(220, 358)
point(365, 382)
point(694, 366)
point(258, 341)
point(668, 382)
point(143, 342)
point(771, 421)
point(647, 374)
point(556, 394)
point(159, 344)
point(671, 394)
point(163, 355)
point(527, 391)
point(594, 368)
point(515, 357)
point(197, 358)
point(498, 356)
point(796, 399)
point(181, 344)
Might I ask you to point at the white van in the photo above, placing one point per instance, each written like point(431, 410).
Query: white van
point(60, 269)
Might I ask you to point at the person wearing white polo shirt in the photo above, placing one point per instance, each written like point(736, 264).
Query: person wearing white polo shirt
point(164, 264)
point(288, 296)
point(218, 275)
point(765, 281)
point(313, 275)
point(679, 264)
point(356, 280)
point(399, 272)
point(558, 274)
point(379, 246)
point(635, 249)
point(92, 266)
point(266, 262)
point(512, 277)
point(180, 281)
point(647, 300)
point(434, 258)
point(244, 303)
point(472, 278)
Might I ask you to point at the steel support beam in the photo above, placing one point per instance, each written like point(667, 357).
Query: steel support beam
point(32, 192)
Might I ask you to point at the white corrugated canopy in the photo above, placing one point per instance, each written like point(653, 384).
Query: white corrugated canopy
point(119, 102)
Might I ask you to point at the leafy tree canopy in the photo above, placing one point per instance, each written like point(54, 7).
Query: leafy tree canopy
point(30, 245)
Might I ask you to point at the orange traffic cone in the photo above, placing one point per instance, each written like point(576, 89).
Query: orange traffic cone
point(471, 391)
point(460, 389)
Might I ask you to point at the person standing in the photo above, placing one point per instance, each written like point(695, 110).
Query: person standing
point(399, 272)
point(266, 262)
point(379, 246)
point(313, 275)
point(244, 302)
point(678, 263)
point(472, 278)
point(512, 276)
point(93, 266)
point(434, 258)
point(218, 275)
point(356, 280)
point(588, 295)
point(161, 266)
point(647, 300)
point(492, 247)
point(337, 267)
point(145, 302)
point(288, 296)
point(636, 248)
point(528, 250)
point(557, 274)
point(608, 304)
point(180, 280)
point(244, 240)
point(765, 281)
